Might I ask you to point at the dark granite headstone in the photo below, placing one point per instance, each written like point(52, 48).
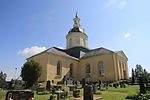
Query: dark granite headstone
point(88, 93)
point(142, 87)
point(48, 85)
point(94, 88)
point(83, 82)
point(76, 93)
point(64, 79)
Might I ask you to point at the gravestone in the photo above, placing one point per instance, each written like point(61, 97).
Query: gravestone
point(142, 87)
point(69, 81)
point(64, 79)
point(48, 85)
point(94, 88)
point(53, 90)
point(73, 82)
point(99, 84)
point(88, 93)
point(52, 81)
point(78, 83)
point(83, 82)
point(76, 93)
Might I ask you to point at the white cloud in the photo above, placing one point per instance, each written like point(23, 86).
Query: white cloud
point(127, 35)
point(31, 51)
point(121, 4)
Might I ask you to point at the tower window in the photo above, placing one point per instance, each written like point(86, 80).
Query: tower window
point(70, 42)
point(84, 42)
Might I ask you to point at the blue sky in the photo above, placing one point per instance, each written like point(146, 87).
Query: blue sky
point(30, 26)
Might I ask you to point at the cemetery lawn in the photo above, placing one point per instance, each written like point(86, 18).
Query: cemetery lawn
point(111, 94)
point(119, 93)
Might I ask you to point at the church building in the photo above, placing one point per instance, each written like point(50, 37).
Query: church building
point(78, 61)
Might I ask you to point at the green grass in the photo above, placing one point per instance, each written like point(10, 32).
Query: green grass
point(130, 88)
point(106, 95)
point(41, 97)
point(119, 93)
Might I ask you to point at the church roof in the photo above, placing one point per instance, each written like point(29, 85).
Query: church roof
point(80, 52)
point(77, 52)
point(97, 51)
point(59, 52)
point(76, 29)
point(55, 50)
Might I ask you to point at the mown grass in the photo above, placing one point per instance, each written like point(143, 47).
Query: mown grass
point(119, 93)
point(41, 97)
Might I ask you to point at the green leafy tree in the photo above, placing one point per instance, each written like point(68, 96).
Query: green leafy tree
point(30, 73)
point(138, 71)
point(133, 76)
point(145, 76)
point(148, 77)
point(3, 76)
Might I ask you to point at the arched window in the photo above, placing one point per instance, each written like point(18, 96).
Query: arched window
point(84, 42)
point(58, 68)
point(88, 69)
point(70, 42)
point(71, 70)
point(101, 68)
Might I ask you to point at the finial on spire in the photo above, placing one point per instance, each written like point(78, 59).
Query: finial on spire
point(76, 20)
point(76, 14)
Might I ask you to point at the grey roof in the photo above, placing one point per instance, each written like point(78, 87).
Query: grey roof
point(59, 51)
point(80, 52)
point(55, 50)
point(76, 29)
point(98, 51)
point(77, 51)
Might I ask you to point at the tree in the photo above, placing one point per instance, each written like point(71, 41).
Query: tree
point(30, 73)
point(138, 71)
point(2, 77)
point(133, 76)
point(145, 76)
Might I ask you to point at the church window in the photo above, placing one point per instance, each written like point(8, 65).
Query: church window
point(58, 68)
point(88, 69)
point(84, 42)
point(70, 42)
point(101, 68)
point(71, 70)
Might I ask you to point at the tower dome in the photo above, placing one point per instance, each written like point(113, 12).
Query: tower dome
point(76, 35)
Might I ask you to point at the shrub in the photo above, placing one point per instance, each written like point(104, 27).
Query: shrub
point(132, 96)
point(139, 96)
point(145, 96)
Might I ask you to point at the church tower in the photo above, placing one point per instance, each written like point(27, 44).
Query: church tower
point(76, 36)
